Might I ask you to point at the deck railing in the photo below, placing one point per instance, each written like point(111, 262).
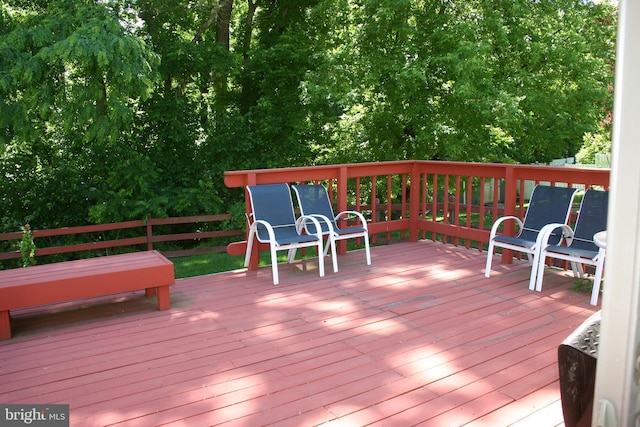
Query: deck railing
point(124, 236)
point(454, 202)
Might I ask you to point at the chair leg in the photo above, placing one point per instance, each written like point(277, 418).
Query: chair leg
point(367, 250)
point(577, 269)
point(247, 256)
point(537, 268)
point(274, 265)
point(320, 258)
point(574, 269)
point(331, 243)
point(487, 269)
point(595, 293)
point(291, 255)
point(530, 258)
point(327, 246)
point(539, 271)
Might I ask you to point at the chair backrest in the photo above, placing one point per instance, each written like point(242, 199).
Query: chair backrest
point(271, 203)
point(592, 218)
point(547, 205)
point(314, 200)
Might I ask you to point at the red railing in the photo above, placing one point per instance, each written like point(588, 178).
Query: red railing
point(450, 201)
point(141, 234)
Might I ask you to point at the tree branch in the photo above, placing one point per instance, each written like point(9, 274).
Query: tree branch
point(212, 18)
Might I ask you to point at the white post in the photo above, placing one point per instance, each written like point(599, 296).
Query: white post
point(616, 397)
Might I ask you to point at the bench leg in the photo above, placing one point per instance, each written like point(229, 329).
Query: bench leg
point(164, 299)
point(5, 325)
point(162, 292)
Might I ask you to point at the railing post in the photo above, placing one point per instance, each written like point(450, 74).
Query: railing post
point(342, 202)
point(149, 234)
point(510, 196)
point(255, 249)
point(414, 202)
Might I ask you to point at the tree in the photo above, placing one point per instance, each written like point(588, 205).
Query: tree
point(72, 76)
point(516, 81)
point(113, 110)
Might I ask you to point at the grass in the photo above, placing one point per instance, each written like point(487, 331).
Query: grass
point(203, 264)
point(217, 262)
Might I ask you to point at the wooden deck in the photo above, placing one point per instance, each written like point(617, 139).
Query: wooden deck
point(418, 338)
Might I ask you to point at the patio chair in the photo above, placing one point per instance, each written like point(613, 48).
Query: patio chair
point(273, 221)
point(314, 201)
point(580, 247)
point(547, 205)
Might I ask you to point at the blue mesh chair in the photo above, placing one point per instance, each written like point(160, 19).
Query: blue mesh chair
point(580, 247)
point(548, 205)
point(273, 221)
point(313, 201)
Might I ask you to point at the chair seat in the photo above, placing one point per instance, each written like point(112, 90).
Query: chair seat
point(284, 235)
point(335, 229)
point(515, 241)
point(572, 252)
point(290, 236)
point(351, 230)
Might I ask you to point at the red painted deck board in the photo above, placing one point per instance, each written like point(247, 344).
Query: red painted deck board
point(420, 337)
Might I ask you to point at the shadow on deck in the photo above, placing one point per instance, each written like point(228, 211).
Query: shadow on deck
point(418, 338)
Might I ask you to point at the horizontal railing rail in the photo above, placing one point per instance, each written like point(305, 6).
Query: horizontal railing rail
point(454, 202)
point(140, 234)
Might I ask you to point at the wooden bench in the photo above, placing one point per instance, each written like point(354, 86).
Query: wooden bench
point(86, 278)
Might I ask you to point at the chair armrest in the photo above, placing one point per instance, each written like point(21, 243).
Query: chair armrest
point(361, 218)
point(499, 221)
point(301, 224)
point(253, 230)
point(542, 240)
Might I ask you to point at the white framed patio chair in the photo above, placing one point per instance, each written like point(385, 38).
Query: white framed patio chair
point(313, 200)
point(273, 221)
point(580, 247)
point(547, 205)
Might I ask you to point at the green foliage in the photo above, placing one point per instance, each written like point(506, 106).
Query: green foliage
point(584, 285)
point(27, 247)
point(517, 81)
point(73, 78)
point(594, 143)
point(115, 110)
